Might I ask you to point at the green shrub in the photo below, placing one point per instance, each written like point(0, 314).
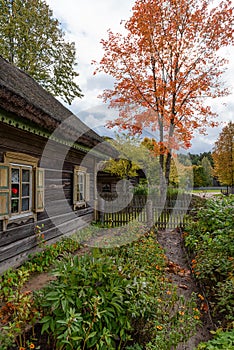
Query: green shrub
point(221, 341)
point(114, 299)
point(87, 304)
point(210, 242)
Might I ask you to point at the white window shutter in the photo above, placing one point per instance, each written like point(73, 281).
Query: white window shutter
point(39, 190)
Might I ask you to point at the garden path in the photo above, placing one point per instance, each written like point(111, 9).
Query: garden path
point(179, 273)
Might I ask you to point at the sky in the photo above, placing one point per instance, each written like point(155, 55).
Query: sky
point(86, 22)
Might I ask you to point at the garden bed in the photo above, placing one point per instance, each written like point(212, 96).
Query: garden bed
point(139, 306)
point(135, 284)
point(209, 242)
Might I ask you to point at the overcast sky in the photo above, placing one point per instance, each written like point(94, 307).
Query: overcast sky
point(86, 22)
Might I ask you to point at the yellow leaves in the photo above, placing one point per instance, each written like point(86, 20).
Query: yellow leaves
point(159, 327)
point(201, 297)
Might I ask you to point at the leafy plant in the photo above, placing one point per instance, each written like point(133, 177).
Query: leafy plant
point(114, 296)
point(17, 313)
point(93, 291)
point(209, 240)
point(18, 308)
point(40, 236)
point(221, 341)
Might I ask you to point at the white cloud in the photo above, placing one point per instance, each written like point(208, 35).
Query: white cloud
point(86, 22)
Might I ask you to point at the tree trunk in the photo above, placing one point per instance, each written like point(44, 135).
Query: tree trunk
point(168, 168)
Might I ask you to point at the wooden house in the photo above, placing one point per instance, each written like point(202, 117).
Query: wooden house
point(48, 160)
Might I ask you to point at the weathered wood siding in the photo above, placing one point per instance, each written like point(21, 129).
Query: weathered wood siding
point(19, 239)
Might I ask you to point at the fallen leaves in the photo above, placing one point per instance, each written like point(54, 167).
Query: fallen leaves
point(183, 286)
point(175, 268)
point(204, 307)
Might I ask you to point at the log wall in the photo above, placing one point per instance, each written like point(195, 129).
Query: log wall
point(59, 218)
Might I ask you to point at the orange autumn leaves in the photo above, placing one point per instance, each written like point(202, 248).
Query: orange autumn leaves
point(166, 65)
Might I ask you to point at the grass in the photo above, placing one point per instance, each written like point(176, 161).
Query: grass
point(205, 191)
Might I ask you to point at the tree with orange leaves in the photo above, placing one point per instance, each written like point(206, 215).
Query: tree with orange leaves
point(166, 67)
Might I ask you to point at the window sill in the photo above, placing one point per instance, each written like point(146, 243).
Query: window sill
point(21, 218)
point(79, 205)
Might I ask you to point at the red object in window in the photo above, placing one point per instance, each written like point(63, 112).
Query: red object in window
point(14, 190)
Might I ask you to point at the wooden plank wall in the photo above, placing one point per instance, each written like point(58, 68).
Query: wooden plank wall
point(19, 239)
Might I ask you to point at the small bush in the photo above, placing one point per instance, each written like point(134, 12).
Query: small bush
point(210, 243)
point(116, 299)
point(221, 341)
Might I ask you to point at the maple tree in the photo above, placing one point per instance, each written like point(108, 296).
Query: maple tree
point(223, 156)
point(166, 69)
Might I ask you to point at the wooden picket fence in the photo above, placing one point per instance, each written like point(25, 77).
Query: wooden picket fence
point(151, 210)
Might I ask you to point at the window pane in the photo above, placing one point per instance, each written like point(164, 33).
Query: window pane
point(81, 179)
point(15, 190)
point(25, 190)
point(25, 204)
point(14, 205)
point(25, 175)
point(80, 187)
point(15, 175)
point(21, 189)
point(80, 193)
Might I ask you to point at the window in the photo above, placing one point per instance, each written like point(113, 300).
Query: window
point(21, 187)
point(81, 187)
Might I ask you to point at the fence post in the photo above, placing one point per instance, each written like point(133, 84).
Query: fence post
point(96, 212)
point(149, 213)
point(101, 209)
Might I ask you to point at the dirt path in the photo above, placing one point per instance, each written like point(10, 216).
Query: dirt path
point(179, 273)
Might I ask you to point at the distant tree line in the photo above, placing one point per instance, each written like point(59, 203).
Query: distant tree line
point(205, 169)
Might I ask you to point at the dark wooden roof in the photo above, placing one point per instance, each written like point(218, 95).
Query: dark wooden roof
point(22, 95)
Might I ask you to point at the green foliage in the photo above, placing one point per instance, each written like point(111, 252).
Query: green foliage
point(133, 155)
point(209, 240)
point(85, 305)
point(199, 178)
point(196, 159)
point(223, 156)
point(221, 341)
point(40, 262)
point(115, 299)
point(18, 308)
point(123, 168)
point(202, 168)
point(208, 171)
point(32, 39)
point(142, 188)
point(17, 313)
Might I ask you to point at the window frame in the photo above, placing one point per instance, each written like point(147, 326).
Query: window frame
point(21, 161)
point(79, 202)
point(20, 212)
